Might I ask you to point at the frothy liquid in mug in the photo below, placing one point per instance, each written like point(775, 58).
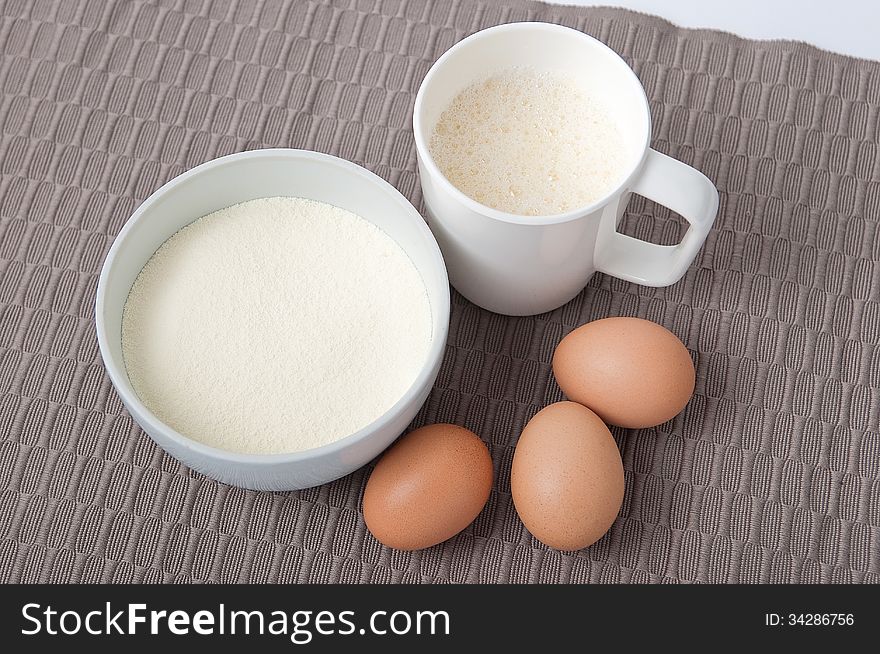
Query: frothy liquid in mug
point(529, 142)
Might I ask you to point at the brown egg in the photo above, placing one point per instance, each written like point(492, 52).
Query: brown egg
point(567, 477)
point(429, 486)
point(631, 372)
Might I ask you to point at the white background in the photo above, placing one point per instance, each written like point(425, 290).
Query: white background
point(847, 26)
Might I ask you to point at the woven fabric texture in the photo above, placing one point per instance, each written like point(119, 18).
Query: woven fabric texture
point(771, 474)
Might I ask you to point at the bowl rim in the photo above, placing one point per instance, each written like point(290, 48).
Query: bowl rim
point(440, 314)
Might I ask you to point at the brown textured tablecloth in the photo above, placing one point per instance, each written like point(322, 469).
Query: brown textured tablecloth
point(771, 474)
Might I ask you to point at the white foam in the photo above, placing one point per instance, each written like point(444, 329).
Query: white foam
point(529, 142)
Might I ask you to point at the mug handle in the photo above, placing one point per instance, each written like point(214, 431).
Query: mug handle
point(679, 187)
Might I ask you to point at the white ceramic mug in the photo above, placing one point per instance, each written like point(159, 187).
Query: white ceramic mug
point(523, 265)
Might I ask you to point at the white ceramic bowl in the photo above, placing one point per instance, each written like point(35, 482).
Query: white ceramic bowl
point(245, 176)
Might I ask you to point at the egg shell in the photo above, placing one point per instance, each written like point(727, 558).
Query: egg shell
point(632, 372)
point(427, 487)
point(567, 477)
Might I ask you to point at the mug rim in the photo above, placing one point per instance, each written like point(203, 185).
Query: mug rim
point(424, 152)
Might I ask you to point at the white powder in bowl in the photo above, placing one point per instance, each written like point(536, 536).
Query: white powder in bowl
point(275, 325)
